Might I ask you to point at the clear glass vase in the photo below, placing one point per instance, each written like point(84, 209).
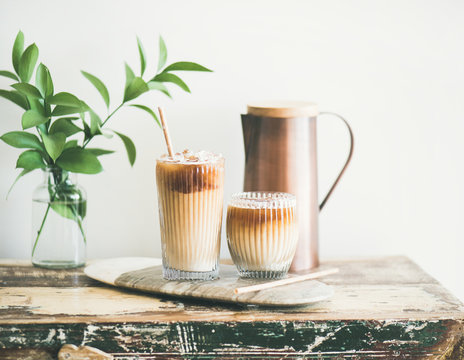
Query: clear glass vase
point(58, 211)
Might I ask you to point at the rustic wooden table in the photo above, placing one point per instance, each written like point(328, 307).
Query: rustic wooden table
point(382, 308)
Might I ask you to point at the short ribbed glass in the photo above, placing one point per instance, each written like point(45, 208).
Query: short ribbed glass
point(262, 233)
point(190, 199)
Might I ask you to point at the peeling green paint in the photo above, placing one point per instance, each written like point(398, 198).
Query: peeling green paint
point(237, 339)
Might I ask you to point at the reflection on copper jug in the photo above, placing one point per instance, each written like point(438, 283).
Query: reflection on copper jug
point(281, 155)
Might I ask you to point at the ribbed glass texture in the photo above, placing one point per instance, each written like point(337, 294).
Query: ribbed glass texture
point(190, 199)
point(262, 233)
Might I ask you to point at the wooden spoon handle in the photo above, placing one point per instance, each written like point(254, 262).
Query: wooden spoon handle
point(289, 280)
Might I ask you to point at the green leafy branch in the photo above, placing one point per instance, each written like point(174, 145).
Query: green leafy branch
point(64, 124)
point(61, 117)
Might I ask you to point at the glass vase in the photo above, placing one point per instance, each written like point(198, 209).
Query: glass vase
point(58, 211)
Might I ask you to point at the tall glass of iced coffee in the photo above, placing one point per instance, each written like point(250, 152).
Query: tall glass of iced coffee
point(190, 196)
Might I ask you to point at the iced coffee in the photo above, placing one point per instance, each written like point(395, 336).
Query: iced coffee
point(190, 196)
point(262, 233)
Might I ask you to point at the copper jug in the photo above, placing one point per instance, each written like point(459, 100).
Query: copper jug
point(281, 155)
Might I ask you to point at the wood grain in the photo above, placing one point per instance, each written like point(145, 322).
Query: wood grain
point(384, 308)
point(364, 290)
point(278, 339)
point(17, 275)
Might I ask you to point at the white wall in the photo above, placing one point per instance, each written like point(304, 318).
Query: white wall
point(393, 68)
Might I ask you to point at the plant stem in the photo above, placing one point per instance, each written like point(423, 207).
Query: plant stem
point(52, 198)
point(41, 227)
point(104, 122)
point(110, 115)
point(79, 222)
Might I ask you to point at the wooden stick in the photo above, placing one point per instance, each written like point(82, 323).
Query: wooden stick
point(166, 133)
point(290, 280)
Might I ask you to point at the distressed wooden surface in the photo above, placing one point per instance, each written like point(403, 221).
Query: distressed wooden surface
point(382, 308)
point(146, 274)
point(73, 352)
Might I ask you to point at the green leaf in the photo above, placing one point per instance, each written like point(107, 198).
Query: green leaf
point(71, 118)
point(65, 210)
point(65, 99)
point(8, 74)
point(99, 86)
point(186, 66)
point(22, 139)
point(171, 78)
point(32, 118)
point(86, 130)
point(70, 209)
point(81, 211)
point(130, 76)
point(65, 126)
point(18, 48)
point(99, 152)
point(79, 160)
point(21, 174)
point(143, 62)
point(61, 110)
point(130, 147)
point(70, 144)
point(136, 88)
point(27, 62)
point(107, 134)
point(154, 85)
point(30, 160)
point(95, 123)
point(54, 144)
point(16, 97)
point(43, 81)
point(163, 53)
point(148, 110)
point(36, 105)
point(27, 90)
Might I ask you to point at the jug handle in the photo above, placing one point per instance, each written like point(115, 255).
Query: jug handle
point(348, 159)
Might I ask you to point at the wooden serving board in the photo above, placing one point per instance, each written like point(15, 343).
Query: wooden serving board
point(145, 274)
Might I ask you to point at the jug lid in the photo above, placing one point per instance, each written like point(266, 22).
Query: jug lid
point(283, 109)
